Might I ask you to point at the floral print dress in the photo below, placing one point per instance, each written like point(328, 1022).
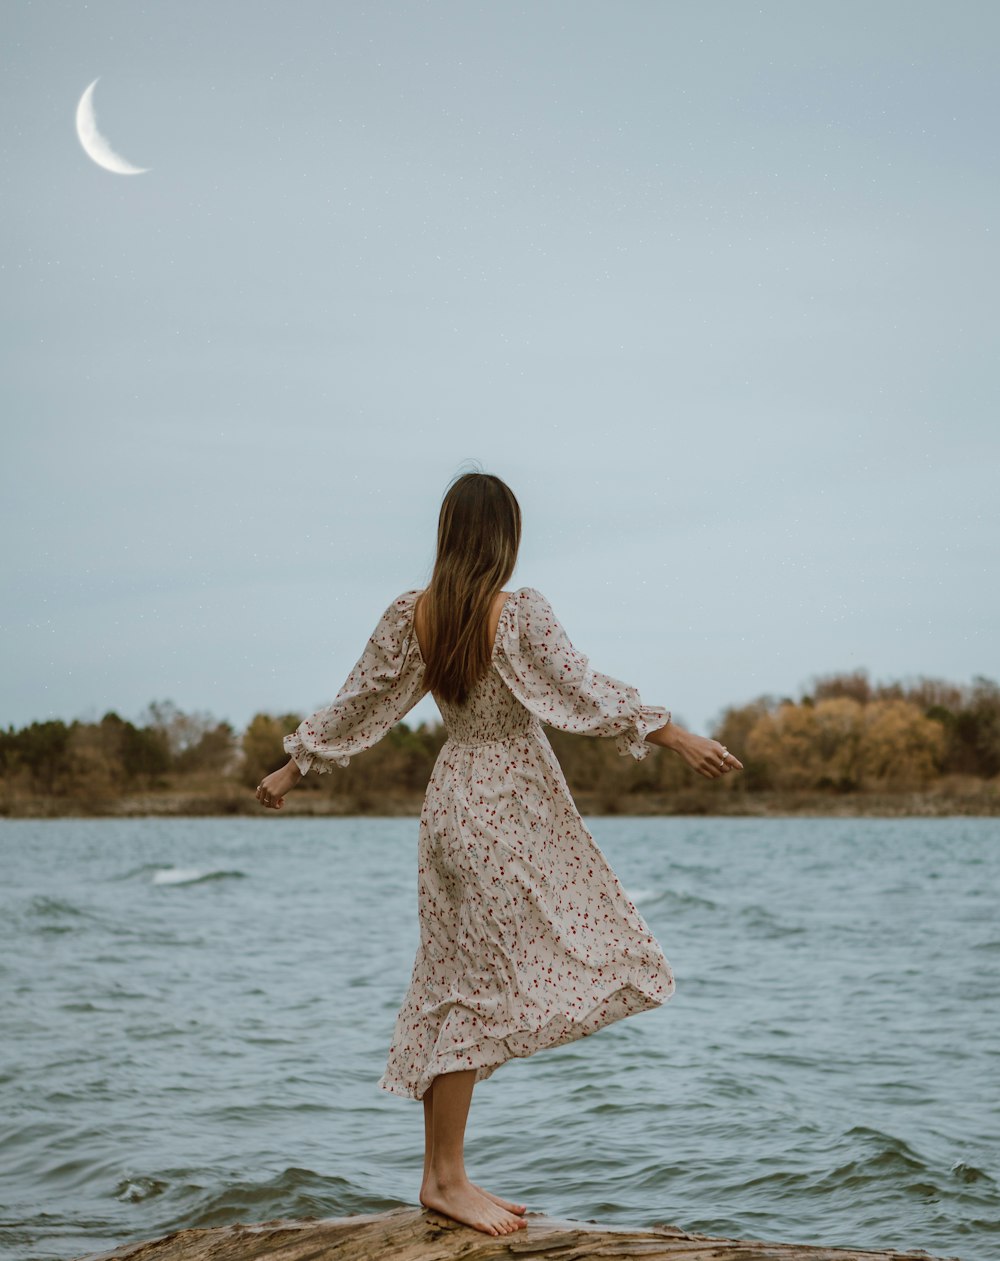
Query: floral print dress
point(527, 938)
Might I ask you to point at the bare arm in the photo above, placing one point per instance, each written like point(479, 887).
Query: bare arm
point(707, 757)
point(271, 790)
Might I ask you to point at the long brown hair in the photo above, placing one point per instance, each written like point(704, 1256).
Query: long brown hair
point(479, 533)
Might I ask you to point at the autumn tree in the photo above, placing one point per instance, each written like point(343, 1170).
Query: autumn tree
point(214, 751)
point(262, 747)
point(733, 729)
point(853, 684)
point(977, 730)
point(900, 747)
point(783, 742)
point(809, 745)
point(37, 753)
point(93, 774)
point(840, 743)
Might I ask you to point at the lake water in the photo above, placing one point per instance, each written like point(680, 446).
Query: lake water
point(195, 1013)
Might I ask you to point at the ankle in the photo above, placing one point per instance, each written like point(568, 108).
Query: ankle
point(447, 1175)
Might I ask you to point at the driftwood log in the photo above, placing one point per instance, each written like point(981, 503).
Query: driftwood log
point(409, 1234)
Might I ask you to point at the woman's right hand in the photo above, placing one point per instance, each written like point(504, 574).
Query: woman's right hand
point(707, 757)
point(271, 790)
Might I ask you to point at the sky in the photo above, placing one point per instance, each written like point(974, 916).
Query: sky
point(712, 287)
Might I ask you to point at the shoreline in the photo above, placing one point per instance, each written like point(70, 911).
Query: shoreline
point(232, 801)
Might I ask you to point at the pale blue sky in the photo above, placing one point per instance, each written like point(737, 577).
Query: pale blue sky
point(713, 286)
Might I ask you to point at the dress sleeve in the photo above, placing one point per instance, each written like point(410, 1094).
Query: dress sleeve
point(385, 684)
point(551, 678)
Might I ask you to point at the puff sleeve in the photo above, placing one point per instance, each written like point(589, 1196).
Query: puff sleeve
point(552, 679)
point(385, 684)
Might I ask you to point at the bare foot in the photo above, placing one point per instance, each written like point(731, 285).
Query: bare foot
point(509, 1205)
point(498, 1199)
point(468, 1204)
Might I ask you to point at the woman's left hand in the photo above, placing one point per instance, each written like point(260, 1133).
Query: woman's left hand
point(271, 790)
point(707, 757)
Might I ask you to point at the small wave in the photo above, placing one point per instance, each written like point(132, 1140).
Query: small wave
point(193, 875)
point(293, 1193)
point(139, 873)
point(639, 896)
point(970, 1173)
point(134, 1190)
point(767, 923)
point(694, 869)
point(49, 916)
point(878, 1155)
point(54, 907)
point(859, 1159)
point(671, 897)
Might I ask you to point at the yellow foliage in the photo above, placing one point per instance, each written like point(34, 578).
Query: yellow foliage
point(841, 743)
point(900, 748)
point(784, 741)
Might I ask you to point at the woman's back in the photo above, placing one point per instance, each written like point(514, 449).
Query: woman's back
point(490, 712)
point(419, 621)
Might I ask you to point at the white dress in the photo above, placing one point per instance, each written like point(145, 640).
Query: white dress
point(527, 938)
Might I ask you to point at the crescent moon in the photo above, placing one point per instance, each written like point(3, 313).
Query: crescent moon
point(94, 144)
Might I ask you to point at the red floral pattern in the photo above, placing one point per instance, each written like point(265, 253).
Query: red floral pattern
point(527, 938)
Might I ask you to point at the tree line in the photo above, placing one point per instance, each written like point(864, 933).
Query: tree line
point(843, 735)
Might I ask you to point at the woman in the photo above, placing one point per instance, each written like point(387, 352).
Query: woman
point(527, 939)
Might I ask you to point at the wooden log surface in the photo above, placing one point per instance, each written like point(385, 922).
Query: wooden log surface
point(410, 1234)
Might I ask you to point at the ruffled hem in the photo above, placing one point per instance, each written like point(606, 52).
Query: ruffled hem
point(307, 761)
point(488, 1052)
point(632, 741)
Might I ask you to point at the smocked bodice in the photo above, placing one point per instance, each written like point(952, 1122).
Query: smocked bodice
point(490, 712)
